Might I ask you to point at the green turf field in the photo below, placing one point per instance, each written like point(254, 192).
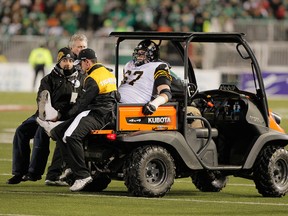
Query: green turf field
point(239, 197)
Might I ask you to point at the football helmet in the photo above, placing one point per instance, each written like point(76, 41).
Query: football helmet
point(146, 51)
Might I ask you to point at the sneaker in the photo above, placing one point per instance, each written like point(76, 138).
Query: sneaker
point(56, 183)
point(46, 111)
point(79, 184)
point(48, 125)
point(16, 179)
point(68, 172)
point(31, 177)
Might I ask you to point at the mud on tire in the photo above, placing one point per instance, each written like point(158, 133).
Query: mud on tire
point(271, 172)
point(149, 171)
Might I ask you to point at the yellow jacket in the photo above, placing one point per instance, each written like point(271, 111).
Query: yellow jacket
point(40, 55)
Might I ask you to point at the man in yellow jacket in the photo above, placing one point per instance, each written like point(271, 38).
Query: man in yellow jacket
point(40, 58)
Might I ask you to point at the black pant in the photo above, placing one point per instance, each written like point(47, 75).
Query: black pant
point(72, 150)
point(56, 167)
point(28, 130)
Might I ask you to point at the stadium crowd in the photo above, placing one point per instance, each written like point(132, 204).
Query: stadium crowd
point(65, 17)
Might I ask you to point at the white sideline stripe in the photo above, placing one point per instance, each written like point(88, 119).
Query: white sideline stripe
point(145, 198)
point(10, 160)
point(5, 174)
point(12, 107)
point(231, 184)
point(15, 215)
point(244, 185)
point(5, 159)
point(179, 181)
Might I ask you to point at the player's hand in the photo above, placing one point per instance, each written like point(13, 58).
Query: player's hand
point(148, 109)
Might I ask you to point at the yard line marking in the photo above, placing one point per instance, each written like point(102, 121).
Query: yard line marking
point(15, 215)
point(228, 184)
point(178, 181)
point(5, 174)
point(246, 185)
point(146, 198)
point(5, 160)
point(13, 107)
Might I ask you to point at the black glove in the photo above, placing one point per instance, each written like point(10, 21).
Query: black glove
point(148, 109)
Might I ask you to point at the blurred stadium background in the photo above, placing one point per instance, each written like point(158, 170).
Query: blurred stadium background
point(26, 24)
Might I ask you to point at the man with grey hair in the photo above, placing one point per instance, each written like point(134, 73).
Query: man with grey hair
point(78, 42)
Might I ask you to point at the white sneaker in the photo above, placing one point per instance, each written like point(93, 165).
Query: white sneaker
point(45, 109)
point(56, 183)
point(66, 173)
point(48, 125)
point(79, 184)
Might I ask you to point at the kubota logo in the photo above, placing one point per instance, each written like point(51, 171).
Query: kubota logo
point(149, 120)
point(159, 120)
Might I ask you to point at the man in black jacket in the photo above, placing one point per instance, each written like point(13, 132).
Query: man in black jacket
point(55, 172)
point(93, 109)
point(61, 86)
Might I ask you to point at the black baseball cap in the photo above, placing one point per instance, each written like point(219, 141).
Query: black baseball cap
point(87, 54)
point(65, 52)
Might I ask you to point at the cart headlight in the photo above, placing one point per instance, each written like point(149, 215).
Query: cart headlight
point(276, 117)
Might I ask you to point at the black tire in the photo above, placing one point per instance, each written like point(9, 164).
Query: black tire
point(209, 181)
point(98, 184)
point(149, 171)
point(271, 172)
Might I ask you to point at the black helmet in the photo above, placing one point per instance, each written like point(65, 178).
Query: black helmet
point(151, 52)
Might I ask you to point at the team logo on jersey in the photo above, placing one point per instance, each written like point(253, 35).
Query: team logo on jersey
point(149, 120)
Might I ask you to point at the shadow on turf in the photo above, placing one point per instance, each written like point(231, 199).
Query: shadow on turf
point(180, 193)
point(40, 187)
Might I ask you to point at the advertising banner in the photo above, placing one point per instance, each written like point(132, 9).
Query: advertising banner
point(276, 83)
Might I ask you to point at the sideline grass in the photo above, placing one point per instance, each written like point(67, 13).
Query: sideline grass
point(239, 197)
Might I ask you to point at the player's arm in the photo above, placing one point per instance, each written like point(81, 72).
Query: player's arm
point(162, 83)
point(165, 92)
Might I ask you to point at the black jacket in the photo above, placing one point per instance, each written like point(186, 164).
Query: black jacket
point(61, 88)
point(99, 92)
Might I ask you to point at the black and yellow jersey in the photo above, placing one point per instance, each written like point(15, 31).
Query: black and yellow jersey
point(104, 79)
point(99, 91)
